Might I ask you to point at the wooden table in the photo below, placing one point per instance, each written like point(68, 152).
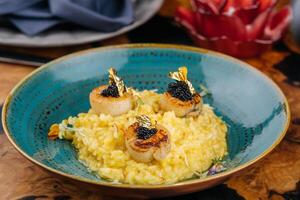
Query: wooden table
point(275, 177)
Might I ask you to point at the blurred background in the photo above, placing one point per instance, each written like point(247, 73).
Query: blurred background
point(264, 33)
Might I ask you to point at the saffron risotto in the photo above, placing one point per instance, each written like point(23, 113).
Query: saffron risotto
point(99, 139)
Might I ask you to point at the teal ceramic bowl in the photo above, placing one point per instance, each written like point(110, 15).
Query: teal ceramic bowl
point(254, 108)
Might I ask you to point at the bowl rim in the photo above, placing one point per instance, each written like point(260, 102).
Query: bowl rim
point(135, 46)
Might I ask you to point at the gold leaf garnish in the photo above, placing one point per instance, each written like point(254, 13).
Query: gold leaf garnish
point(181, 75)
point(114, 79)
point(144, 121)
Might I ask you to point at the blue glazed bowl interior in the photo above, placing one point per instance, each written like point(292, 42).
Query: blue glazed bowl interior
point(252, 106)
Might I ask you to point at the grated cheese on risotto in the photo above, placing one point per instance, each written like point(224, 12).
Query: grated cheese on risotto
point(195, 143)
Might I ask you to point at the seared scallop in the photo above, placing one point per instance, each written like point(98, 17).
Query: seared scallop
point(180, 96)
point(181, 108)
point(147, 144)
point(109, 104)
point(112, 99)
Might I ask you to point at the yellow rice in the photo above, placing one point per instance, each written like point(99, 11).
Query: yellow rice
point(195, 143)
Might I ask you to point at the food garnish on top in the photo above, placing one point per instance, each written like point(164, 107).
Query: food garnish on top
point(112, 99)
point(146, 141)
point(116, 87)
point(181, 97)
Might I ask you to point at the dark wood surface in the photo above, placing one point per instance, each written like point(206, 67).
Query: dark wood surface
point(275, 177)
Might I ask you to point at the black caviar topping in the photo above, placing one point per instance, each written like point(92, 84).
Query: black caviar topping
point(145, 133)
point(180, 90)
point(110, 91)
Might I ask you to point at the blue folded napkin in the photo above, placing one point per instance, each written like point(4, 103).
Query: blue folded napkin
point(35, 16)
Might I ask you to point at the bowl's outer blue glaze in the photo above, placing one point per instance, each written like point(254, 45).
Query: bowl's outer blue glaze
point(255, 110)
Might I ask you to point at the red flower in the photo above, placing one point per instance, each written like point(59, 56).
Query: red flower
point(241, 28)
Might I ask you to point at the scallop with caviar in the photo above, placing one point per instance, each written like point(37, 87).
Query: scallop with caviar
point(112, 99)
point(180, 96)
point(146, 142)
